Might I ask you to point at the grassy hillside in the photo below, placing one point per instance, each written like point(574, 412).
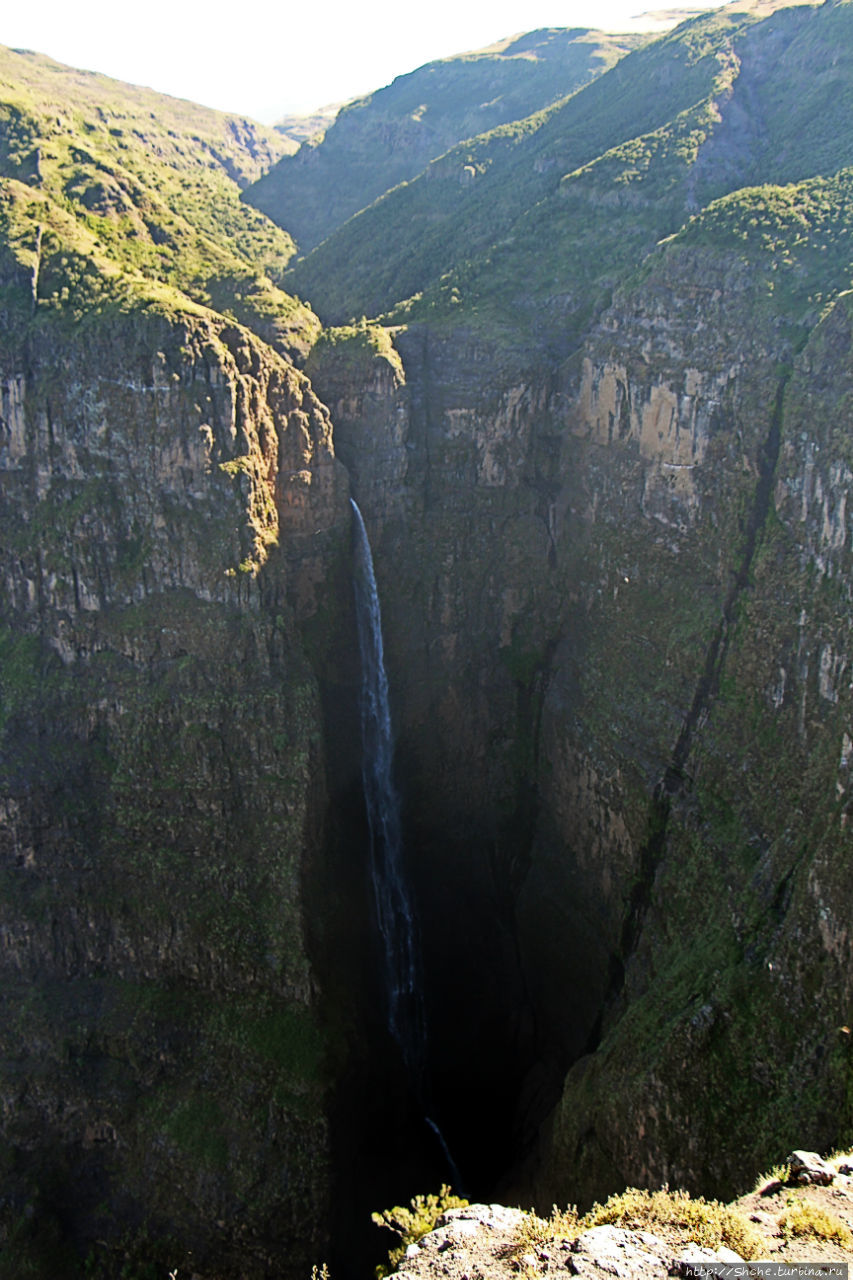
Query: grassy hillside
point(391, 135)
point(110, 190)
point(469, 200)
point(525, 230)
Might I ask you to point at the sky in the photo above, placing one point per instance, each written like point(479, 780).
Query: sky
point(267, 59)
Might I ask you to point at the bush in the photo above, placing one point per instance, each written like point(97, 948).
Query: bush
point(675, 1215)
point(699, 1221)
point(413, 1223)
point(773, 1179)
point(534, 1232)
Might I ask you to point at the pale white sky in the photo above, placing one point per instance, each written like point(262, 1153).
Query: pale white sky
point(266, 58)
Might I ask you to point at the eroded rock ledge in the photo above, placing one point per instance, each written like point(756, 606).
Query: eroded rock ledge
point(801, 1212)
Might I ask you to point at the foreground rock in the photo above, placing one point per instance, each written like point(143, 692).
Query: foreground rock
point(483, 1240)
point(782, 1220)
point(807, 1167)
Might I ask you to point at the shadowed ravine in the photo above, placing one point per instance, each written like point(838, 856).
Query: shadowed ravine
point(396, 919)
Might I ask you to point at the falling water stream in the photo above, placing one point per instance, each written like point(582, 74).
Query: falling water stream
point(401, 952)
point(394, 911)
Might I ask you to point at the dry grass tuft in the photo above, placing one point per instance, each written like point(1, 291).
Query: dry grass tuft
point(677, 1217)
point(535, 1232)
point(772, 1180)
point(673, 1215)
point(803, 1219)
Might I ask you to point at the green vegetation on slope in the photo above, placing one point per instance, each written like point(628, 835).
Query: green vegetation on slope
point(111, 192)
point(465, 204)
point(391, 135)
point(523, 232)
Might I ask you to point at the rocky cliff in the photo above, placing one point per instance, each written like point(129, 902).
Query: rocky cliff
point(600, 445)
point(164, 798)
point(172, 518)
point(615, 584)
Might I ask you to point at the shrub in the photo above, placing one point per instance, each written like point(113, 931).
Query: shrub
point(672, 1214)
point(774, 1178)
point(413, 1223)
point(676, 1213)
point(535, 1231)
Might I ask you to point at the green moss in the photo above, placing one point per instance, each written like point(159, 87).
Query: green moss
point(290, 1039)
point(523, 660)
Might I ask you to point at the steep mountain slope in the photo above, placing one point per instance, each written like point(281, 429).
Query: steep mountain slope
point(389, 137)
point(153, 186)
point(575, 194)
point(469, 199)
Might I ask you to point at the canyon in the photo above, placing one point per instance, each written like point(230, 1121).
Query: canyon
point(598, 429)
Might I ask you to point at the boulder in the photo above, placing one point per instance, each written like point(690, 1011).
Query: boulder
point(615, 1251)
point(807, 1166)
point(698, 1260)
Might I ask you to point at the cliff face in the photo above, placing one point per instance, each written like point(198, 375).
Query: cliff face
point(171, 505)
point(174, 531)
point(615, 591)
point(730, 1001)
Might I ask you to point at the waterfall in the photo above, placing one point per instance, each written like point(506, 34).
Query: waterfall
point(401, 955)
point(395, 914)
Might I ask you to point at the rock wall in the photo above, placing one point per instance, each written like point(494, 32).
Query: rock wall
point(615, 599)
point(172, 511)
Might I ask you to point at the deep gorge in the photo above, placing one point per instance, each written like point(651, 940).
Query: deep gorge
point(600, 439)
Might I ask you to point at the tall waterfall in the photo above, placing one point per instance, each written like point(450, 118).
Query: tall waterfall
point(394, 911)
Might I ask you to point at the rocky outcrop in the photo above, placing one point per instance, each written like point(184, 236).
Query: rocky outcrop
point(783, 1222)
point(488, 1240)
